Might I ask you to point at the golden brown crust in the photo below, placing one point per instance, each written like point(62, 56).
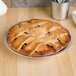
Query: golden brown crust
point(38, 37)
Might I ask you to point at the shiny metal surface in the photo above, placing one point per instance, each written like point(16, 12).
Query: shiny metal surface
point(60, 10)
point(74, 16)
point(44, 57)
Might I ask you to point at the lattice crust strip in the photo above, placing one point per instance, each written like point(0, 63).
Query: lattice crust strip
point(38, 37)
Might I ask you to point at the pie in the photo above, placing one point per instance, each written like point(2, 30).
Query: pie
point(38, 38)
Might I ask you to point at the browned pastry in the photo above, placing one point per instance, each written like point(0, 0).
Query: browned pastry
point(38, 37)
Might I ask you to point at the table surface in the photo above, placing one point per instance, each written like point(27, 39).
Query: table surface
point(14, 65)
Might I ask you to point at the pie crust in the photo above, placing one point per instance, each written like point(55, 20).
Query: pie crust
point(38, 37)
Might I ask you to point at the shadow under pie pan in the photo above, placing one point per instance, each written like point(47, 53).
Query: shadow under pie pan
point(42, 57)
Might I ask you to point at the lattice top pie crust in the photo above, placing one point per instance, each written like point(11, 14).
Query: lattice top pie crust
point(38, 37)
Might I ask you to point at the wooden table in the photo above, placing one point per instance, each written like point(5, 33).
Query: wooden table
point(14, 65)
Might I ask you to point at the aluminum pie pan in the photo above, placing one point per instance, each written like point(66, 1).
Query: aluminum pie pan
point(43, 57)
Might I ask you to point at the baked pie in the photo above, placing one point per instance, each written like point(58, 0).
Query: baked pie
point(38, 38)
